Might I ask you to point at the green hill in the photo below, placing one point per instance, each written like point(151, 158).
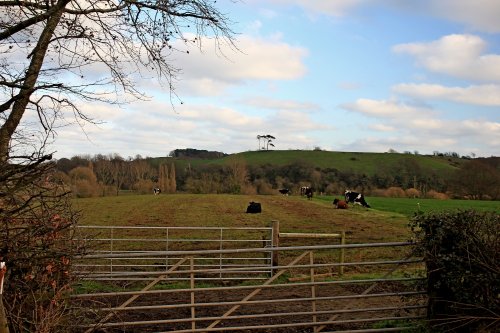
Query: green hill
point(363, 163)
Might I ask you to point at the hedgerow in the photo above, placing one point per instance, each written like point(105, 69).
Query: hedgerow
point(461, 251)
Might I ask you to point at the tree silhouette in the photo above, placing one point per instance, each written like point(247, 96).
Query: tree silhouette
point(269, 141)
point(258, 138)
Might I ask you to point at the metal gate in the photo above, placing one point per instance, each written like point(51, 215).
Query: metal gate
point(303, 293)
point(157, 246)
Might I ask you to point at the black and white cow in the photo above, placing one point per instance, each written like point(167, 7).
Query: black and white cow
point(284, 191)
point(356, 198)
point(307, 191)
point(156, 191)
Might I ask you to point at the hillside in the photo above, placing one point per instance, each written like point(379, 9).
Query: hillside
point(356, 162)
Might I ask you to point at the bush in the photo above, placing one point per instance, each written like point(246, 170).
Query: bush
point(144, 186)
point(412, 193)
point(37, 245)
point(395, 192)
point(461, 251)
point(436, 195)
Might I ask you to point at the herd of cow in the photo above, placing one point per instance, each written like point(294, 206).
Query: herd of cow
point(350, 197)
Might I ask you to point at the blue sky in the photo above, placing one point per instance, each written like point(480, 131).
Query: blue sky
point(343, 75)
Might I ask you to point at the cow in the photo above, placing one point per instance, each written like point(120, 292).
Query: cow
point(356, 198)
point(284, 191)
point(156, 191)
point(340, 204)
point(308, 192)
point(303, 190)
point(254, 207)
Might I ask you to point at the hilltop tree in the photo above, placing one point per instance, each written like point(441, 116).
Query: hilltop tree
point(269, 140)
point(259, 137)
point(63, 42)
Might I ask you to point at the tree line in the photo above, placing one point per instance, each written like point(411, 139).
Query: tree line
point(102, 175)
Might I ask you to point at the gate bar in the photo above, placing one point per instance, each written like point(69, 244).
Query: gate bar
point(281, 285)
point(270, 249)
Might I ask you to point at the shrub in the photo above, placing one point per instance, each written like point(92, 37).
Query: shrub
point(436, 195)
point(378, 192)
point(37, 245)
point(395, 192)
point(461, 250)
point(412, 193)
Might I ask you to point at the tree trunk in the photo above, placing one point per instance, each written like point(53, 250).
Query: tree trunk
point(38, 56)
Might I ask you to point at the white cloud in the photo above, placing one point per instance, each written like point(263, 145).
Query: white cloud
point(322, 7)
point(382, 127)
point(459, 56)
point(481, 15)
point(258, 59)
point(276, 104)
point(423, 129)
point(485, 95)
point(382, 108)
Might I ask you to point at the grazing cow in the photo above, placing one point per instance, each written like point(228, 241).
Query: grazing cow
point(254, 207)
point(309, 193)
point(339, 204)
point(303, 190)
point(356, 198)
point(156, 191)
point(284, 191)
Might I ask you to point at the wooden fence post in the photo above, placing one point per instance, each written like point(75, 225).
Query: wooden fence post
point(275, 241)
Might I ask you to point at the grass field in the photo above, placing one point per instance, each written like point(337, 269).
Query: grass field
point(386, 221)
point(409, 207)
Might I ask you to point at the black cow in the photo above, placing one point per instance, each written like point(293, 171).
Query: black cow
point(356, 198)
point(254, 207)
point(156, 191)
point(284, 191)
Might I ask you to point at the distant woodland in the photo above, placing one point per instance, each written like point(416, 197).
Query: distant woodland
point(201, 171)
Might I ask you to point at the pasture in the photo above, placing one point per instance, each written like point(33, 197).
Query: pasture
point(387, 220)
point(296, 214)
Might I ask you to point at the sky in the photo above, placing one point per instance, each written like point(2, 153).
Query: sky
point(338, 75)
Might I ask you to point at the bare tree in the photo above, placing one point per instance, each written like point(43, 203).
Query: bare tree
point(54, 57)
point(51, 51)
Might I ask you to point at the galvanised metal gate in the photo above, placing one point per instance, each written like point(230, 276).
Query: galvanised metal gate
point(108, 241)
point(381, 295)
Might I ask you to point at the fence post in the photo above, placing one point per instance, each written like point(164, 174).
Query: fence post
point(191, 284)
point(275, 241)
point(342, 253)
point(111, 250)
point(313, 290)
